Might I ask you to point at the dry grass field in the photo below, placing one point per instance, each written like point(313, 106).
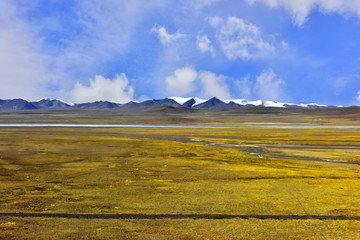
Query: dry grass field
point(198, 171)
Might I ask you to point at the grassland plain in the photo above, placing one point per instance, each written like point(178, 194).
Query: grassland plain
point(168, 115)
point(179, 171)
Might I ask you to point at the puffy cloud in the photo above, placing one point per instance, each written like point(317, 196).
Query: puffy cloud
point(213, 86)
point(268, 86)
point(204, 44)
point(300, 9)
point(181, 82)
point(185, 82)
point(204, 84)
point(241, 39)
point(165, 37)
point(114, 90)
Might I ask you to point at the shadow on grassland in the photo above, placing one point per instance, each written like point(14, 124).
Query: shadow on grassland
point(178, 216)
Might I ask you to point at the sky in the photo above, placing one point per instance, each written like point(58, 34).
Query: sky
point(296, 51)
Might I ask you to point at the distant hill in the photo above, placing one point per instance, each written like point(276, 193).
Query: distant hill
point(50, 104)
point(167, 102)
point(16, 104)
point(212, 103)
point(96, 105)
point(172, 102)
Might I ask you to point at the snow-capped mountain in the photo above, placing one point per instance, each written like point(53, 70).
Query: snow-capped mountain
point(216, 102)
point(172, 102)
point(195, 101)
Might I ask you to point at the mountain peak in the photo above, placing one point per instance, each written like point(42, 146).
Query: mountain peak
point(48, 103)
point(174, 102)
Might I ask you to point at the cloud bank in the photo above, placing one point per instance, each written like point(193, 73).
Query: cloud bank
point(45, 56)
point(300, 9)
point(103, 89)
point(23, 71)
point(185, 81)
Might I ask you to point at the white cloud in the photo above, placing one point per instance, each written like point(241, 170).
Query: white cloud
point(46, 53)
point(165, 37)
point(113, 90)
point(241, 39)
point(181, 82)
point(198, 4)
point(213, 86)
point(358, 97)
point(300, 9)
point(204, 44)
point(100, 32)
point(268, 86)
point(22, 66)
point(106, 29)
point(204, 84)
point(186, 82)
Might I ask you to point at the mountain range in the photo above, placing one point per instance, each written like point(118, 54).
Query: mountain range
point(174, 102)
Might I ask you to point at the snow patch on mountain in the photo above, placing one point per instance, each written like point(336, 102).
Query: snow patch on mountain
point(245, 102)
point(181, 100)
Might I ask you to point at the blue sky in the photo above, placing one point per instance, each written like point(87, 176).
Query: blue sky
point(298, 51)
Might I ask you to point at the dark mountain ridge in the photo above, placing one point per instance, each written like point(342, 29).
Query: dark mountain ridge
point(213, 103)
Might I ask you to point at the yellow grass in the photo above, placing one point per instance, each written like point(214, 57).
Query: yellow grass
point(49, 229)
point(152, 171)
